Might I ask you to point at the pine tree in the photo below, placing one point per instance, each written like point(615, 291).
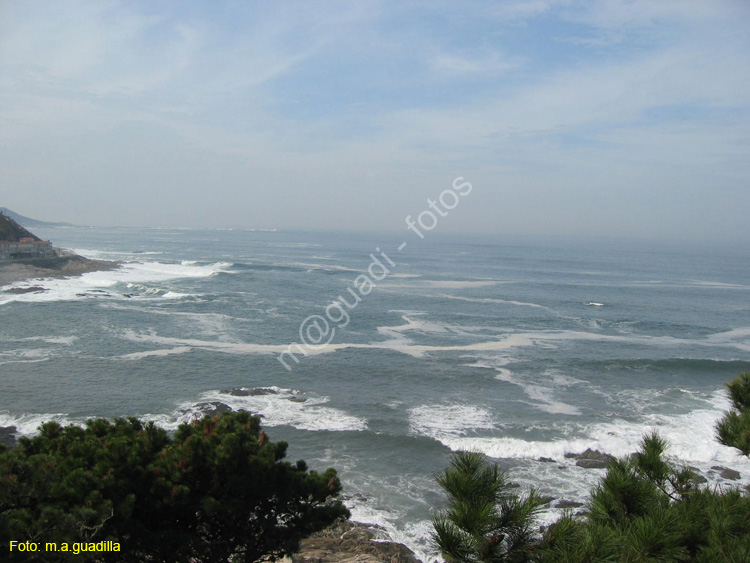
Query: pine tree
point(648, 509)
point(484, 521)
point(218, 490)
point(734, 429)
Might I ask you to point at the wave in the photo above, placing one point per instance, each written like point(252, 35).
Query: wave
point(438, 420)
point(691, 438)
point(126, 282)
point(277, 406)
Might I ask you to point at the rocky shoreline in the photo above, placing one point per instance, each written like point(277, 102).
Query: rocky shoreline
point(355, 542)
point(65, 264)
point(352, 542)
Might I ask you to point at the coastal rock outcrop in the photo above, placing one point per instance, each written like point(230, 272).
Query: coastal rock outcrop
point(352, 542)
point(591, 459)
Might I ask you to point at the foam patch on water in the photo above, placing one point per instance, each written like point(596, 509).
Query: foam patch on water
point(540, 395)
point(398, 341)
point(491, 300)
point(156, 353)
point(440, 420)
point(25, 356)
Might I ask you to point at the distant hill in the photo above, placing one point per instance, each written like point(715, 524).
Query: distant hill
point(28, 222)
point(12, 231)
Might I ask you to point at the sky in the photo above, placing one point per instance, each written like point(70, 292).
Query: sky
point(602, 118)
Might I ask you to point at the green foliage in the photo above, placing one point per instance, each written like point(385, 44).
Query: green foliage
point(647, 509)
point(217, 489)
point(484, 521)
point(734, 429)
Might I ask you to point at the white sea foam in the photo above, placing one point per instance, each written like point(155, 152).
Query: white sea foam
point(540, 396)
point(287, 407)
point(719, 285)
point(417, 536)
point(397, 341)
point(28, 424)
point(100, 284)
point(156, 353)
point(440, 420)
point(691, 439)
point(24, 356)
point(491, 300)
point(312, 267)
point(278, 406)
point(66, 340)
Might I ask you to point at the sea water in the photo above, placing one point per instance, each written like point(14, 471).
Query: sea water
point(522, 348)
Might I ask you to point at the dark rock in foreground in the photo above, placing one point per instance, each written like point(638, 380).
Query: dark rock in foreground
point(352, 542)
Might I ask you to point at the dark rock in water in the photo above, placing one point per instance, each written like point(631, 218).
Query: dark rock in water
point(213, 408)
point(7, 436)
point(729, 474)
point(514, 485)
point(297, 399)
point(22, 290)
point(351, 542)
point(546, 459)
point(547, 500)
point(590, 454)
point(568, 504)
point(592, 463)
point(239, 392)
point(93, 293)
point(263, 391)
point(356, 496)
point(697, 477)
point(591, 459)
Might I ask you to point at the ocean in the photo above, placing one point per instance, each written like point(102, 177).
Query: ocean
point(518, 347)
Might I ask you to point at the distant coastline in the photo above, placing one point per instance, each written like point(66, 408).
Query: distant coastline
point(25, 256)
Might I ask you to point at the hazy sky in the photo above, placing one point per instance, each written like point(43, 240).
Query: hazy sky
point(618, 118)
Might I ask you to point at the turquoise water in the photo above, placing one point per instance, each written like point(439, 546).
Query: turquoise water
point(518, 347)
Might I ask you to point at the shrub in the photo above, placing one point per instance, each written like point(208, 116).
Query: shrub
point(217, 489)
